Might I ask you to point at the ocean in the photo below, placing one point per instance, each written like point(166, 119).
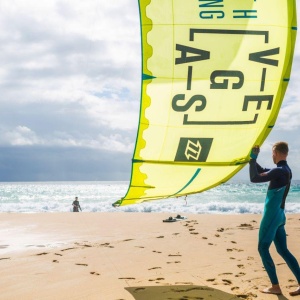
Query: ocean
point(98, 196)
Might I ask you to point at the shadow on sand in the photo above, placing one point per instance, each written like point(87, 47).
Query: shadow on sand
point(181, 292)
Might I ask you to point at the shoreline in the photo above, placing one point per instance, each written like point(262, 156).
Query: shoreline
point(129, 256)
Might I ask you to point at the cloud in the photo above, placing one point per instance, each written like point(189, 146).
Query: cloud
point(24, 136)
point(70, 74)
point(70, 83)
point(289, 116)
point(61, 164)
point(21, 135)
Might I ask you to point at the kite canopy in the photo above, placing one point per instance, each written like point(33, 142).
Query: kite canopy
point(214, 76)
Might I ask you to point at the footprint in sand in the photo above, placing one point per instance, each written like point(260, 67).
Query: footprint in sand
point(4, 258)
point(211, 279)
point(194, 233)
point(235, 288)
point(84, 265)
point(241, 266)
point(107, 245)
point(156, 251)
point(173, 262)
point(227, 281)
point(160, 237)
point(154, 268)
point(67, 249)
point(94, 273)
point(174, 255)
point(43, 253)
point(58, 254)
point(234, 249)
point(127, 240)
point(127, 278)
point(240, 274)
point(55, 261)
point(156, 279)
point(245, 226)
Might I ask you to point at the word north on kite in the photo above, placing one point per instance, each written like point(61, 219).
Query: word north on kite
point(193, 149)
point(215, 9)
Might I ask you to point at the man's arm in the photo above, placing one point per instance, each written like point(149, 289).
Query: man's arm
point(256, 172)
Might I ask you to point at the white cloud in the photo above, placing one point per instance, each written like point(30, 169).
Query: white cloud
point(24, 136)
point(289, 117)
point(20, 136)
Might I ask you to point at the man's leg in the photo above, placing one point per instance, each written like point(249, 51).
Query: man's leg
point(281, 247)
point(264, 244)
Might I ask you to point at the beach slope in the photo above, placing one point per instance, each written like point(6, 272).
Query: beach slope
point(114, 256)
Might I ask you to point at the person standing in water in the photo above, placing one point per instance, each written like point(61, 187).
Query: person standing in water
point(273, 220)
point(76, 205)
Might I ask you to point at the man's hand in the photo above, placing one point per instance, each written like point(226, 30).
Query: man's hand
point(254, 152)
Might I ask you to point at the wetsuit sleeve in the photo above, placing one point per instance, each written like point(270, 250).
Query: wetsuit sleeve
point(256, 172)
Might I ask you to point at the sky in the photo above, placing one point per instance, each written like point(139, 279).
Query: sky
point(70, 92)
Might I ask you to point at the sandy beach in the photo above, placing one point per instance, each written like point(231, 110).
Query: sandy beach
point(114, 256)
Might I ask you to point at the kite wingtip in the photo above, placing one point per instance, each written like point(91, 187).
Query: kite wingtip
point(117, 203)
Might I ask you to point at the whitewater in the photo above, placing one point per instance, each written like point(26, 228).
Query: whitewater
point(98, 196)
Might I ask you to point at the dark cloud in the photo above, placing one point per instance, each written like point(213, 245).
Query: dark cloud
point(64, 164)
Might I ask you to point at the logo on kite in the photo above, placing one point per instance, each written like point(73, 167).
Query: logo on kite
point(193, 149)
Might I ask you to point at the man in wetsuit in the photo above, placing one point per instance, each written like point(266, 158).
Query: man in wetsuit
point(273, 220)
point(76, 205)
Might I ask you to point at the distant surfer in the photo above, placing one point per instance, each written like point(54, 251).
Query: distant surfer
point(76, 205)
point(273, 220)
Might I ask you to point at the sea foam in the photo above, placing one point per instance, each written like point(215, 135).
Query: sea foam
point(229, 198)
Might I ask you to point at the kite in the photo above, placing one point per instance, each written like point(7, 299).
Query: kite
point(214, 75)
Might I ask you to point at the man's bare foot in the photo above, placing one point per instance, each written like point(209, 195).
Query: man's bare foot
point(274, 289)
point(296, 292)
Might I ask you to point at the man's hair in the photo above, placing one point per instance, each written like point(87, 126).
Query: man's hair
point(281, 147)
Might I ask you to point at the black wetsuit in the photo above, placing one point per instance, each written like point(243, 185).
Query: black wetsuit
point(76, 206)
point(279, 177)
